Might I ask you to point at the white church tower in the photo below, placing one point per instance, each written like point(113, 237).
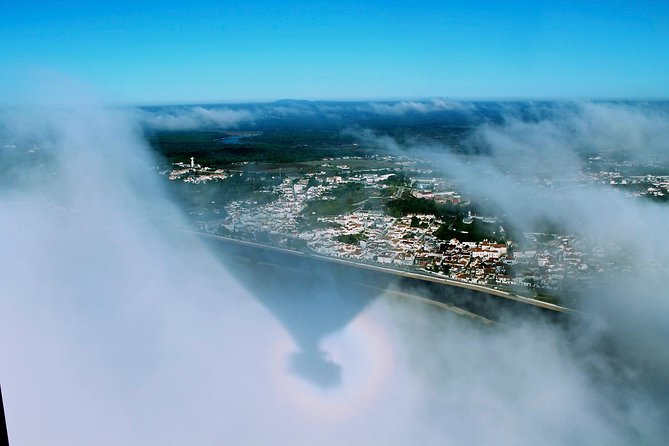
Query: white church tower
point(192, 161)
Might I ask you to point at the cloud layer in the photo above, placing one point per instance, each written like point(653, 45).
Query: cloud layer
point(116, 329)
point(193, 118)
point(207, 117)
point(534, 171)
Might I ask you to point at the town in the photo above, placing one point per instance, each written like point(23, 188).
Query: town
point(334, 209)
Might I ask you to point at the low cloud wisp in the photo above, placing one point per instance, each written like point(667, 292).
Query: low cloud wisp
point(194, 118)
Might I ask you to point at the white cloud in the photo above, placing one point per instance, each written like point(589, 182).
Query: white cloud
point(404, 107)
point(116, 329)
point(627, 311)
point(192, 118)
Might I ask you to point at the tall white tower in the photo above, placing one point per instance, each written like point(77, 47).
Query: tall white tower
point(192, 161)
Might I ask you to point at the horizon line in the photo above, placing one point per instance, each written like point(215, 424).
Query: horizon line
point(507, 99)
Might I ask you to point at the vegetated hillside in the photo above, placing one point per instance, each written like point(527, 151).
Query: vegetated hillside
point(286, 146)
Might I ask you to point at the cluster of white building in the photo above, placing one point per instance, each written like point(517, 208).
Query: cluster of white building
point(377, 237)
point(195, 173)
point(652, 185)
point(395, 242)
point(279, 216)
point(546, 264)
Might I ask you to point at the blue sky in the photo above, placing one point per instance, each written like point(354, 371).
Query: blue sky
point(150, 52)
